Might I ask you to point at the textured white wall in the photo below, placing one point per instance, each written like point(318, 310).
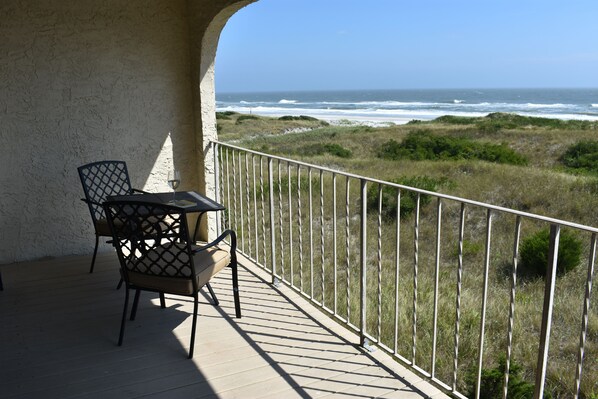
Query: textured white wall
point(82, 81)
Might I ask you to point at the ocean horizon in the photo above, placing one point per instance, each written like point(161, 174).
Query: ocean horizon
point(379, 107)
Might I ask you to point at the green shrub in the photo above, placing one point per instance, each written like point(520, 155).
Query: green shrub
point(501, 120)
point(322, 148)
point(298, 118)
point(534, 253)
point(583, 156)
point(457, 120)
point(245, 117)
point(492, 382)
point(496, 121)
point(424, 145)
point(408, 198)
point(225, 115)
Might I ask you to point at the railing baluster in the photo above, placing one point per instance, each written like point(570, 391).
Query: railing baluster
point(281, 223)
point(256, 230)
point(458, 300)
point(217, 185)
point(242, 229)
point(290, 224)
point(397, 274)
point(334, 253)
point(584, 318)
point(311, 234)
point(236, 228)
point(415, 267)
point(322, 234)
point(263, 211)
point(436, 288)
point(484, 302)
point(363, 263)
point(300, 223)
point(347, 249)
point(379, 262)
point(272, 230)
point(512, 306)
point(249, 243)
point(550, 282)
point(228, 210)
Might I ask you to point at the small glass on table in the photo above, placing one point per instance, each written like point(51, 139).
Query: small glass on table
point(174, 180)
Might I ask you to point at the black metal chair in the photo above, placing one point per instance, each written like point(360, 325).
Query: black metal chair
point(156, 254)
point(100, 180)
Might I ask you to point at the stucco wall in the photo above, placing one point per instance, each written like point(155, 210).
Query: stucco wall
point(82, 81)
point(208, 19)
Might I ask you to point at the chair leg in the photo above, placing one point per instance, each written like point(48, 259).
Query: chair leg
point(162, 300)
point(135, 303)
point(193, 328)
point(213, 294)
point(95, 252)
point(124, 318)
point(236, 287)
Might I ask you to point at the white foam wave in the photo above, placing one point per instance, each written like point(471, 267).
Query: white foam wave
point(594, 105)
point(283, 101)
point(457, 101)
point(532, 105)
point(375, 104)
point(398, 116)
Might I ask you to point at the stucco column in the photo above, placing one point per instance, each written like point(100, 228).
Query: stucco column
point(204, 42)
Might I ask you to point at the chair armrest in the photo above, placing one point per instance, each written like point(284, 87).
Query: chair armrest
point(233, 241)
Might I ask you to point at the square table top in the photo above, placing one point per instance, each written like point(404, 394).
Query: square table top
point(190, 201)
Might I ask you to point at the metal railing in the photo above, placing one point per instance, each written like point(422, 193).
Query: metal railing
point(439, 291)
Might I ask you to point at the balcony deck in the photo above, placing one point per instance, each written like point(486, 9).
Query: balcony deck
point(59, 327)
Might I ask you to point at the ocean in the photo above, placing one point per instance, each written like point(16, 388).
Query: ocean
point(401, 106)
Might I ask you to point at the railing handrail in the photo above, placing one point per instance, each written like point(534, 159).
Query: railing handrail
point(421, 191)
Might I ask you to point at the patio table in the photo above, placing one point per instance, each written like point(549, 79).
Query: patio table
point(190, 201)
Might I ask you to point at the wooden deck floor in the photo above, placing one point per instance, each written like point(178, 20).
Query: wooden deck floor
point(59, 326)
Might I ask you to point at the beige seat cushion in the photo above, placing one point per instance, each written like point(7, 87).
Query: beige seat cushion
point(207, 264)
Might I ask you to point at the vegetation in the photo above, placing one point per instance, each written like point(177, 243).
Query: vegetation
point(535, 251)
point(234, 126)
point(325, 148)
point(492, 382)
point(582, 156)
point(544, 183)
point(226, 115)
point(424, 145)
point(298, 118)
point(408, 198)
point(497, 121)
point(242, 118)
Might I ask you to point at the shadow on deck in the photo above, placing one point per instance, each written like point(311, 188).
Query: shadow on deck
point(59, 327)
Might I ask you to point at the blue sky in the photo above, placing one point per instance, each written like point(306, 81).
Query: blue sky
point(277, 45)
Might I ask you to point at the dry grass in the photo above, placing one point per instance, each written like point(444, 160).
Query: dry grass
point(542, 187)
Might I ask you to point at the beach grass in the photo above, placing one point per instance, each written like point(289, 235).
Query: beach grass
point(543, 185)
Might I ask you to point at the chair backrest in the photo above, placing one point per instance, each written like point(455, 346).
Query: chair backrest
point(151, 239)
point(102, 179)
